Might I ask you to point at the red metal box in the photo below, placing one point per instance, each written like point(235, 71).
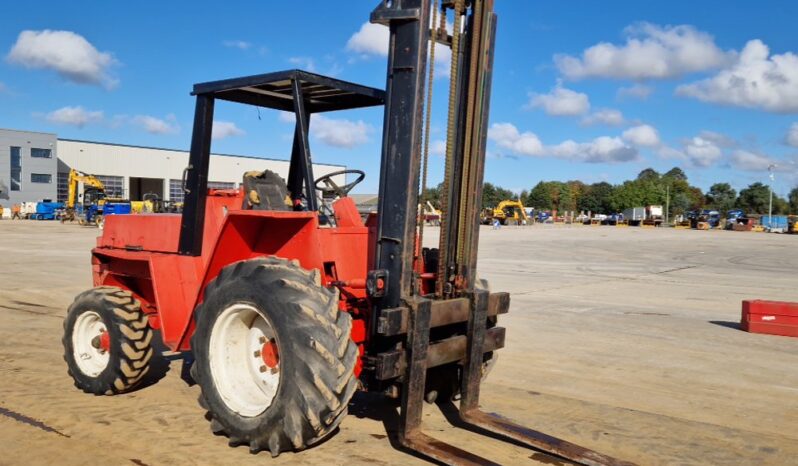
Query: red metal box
point(771, 317)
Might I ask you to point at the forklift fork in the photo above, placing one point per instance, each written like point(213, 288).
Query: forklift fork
point(410, 433)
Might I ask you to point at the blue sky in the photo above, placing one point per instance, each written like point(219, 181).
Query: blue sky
point(582, 89)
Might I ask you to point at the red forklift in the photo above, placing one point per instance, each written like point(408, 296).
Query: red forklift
point(287, 299)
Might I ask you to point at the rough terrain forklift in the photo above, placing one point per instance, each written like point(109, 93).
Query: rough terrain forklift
point(288, 301)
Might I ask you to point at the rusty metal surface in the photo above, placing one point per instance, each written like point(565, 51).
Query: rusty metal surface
point(416, 374)
point(442, 451)
point(538, 440)
point(443, 312)
point(392, 364)
point(475, 346)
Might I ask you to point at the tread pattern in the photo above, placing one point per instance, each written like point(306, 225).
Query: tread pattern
point(134, 338)
point(326, 382)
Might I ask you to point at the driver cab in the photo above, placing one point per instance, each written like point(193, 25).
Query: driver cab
point(301, 93)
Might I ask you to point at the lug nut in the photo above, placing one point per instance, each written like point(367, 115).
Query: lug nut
point(257, 353)
point(263, 368)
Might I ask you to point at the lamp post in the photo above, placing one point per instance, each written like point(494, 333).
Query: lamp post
point(772, 177)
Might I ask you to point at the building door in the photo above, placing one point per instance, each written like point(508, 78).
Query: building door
point(139, 187)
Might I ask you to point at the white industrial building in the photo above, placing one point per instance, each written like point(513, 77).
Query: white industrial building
point(127, 171)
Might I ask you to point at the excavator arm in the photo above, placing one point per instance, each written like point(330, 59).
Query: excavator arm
point(76, 177)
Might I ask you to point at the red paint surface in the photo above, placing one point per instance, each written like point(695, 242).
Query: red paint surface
point(139, 253)
point(770, 317)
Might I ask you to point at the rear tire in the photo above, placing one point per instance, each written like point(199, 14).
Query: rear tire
point(287, 402)
point(116, 361)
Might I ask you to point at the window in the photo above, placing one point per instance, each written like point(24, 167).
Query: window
point(114, 185)
point(41, 178)
point(176, 190)
point(63, 186)
point(16, 168)
point(41, 153)
point(221, 185)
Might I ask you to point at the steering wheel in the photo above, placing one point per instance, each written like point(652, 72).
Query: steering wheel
point(331, 189)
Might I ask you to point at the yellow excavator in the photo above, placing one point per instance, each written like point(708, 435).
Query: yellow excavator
point(507, 212)
point(93, 192)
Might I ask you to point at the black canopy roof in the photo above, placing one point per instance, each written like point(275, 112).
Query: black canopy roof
point(274, 90)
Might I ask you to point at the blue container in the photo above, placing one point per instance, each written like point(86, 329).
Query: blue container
point(774, 222)
point(116, 208)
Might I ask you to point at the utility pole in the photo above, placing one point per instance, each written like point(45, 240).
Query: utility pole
point(770, 203)
point(667, 203)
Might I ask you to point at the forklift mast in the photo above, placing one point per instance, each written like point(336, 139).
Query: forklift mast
point(469, 101)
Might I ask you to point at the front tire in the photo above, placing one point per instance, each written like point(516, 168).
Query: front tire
point(274, 356)
point(107, 341)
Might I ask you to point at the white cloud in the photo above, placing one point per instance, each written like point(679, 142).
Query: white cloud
point(507, 136)
point(636, 91)
point(792, 135)
point(667, 152)
point(561, 102)
point(756, 80)
point(305, 63)
point(605, 116)
point(237, 44)
point(286, 117)
point(65, 52)
point(224, 129)
point(750, 161)
point(334, 132)
point(702, 152)
point(339, 133)
point(642, 136)
point(155, 125)
point(371, 39)
point(720, 140)
point(74, 116)
point(437, 147)
point(602, 149)
point(650, 52)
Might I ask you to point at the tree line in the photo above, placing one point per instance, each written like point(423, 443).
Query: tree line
point(649, 188)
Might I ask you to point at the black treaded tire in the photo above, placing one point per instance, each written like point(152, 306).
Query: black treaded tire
point(130, 336)
point(317, 355)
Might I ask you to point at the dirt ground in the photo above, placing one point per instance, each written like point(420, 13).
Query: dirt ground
point(624, 340)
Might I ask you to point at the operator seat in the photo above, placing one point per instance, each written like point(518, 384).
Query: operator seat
point(265, 191)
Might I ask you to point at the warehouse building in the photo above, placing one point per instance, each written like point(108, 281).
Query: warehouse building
point(28, 166)
point(35, 166)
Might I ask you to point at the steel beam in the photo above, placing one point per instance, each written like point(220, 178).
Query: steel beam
point(195, 178)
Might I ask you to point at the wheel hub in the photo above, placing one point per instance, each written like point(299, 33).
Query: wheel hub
point(244, 359)
point(102, 342)
point(269, 354)
point(91, 343)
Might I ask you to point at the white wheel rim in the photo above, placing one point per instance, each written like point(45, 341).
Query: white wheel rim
point(90, 360)
point(246, 384)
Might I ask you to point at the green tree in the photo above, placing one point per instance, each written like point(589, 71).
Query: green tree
point(433, 195)
point(649, 174)
point(492, 195)
point(721, 197)
point(540, 197)
point(675, 173)
point(596, 198)
point(754, 199)
point(637, 193)
point(793, 200)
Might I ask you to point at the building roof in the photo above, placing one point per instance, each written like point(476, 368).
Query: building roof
point(183, 150)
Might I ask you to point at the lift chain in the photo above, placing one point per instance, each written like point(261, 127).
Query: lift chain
point(451, 135)
point(427, 118)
